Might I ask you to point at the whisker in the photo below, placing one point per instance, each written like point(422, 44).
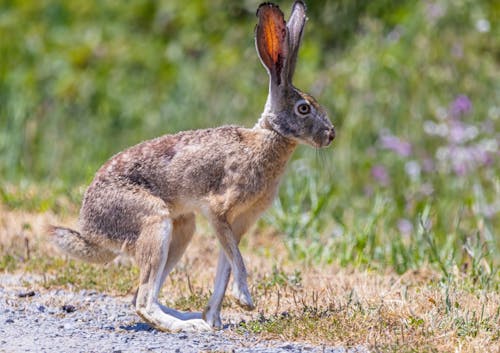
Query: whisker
point(322, 160)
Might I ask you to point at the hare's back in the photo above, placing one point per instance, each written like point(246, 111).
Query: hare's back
point(189, 164)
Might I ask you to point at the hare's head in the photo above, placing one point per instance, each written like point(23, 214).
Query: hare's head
point(289, 112)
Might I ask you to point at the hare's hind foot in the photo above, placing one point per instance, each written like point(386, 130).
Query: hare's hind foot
point(158, 248)
point(160, 320)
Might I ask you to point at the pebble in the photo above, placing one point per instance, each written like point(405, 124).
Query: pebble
point(68, 308)
point(30, 293)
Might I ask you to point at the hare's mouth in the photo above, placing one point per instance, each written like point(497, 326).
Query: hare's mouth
point(325, 138)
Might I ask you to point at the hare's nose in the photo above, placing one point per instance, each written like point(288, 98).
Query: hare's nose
point(331, 134)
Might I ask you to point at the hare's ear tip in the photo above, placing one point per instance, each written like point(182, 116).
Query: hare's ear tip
point(299, 3)
point(266, 4)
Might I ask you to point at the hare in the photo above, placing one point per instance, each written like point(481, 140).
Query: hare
point(142, 201)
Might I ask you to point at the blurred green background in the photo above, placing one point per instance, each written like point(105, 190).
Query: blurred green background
point(413, 88)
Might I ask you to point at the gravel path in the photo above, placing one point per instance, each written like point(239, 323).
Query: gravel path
point(87, 321)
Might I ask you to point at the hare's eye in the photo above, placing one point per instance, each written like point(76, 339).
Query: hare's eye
point(304, 109)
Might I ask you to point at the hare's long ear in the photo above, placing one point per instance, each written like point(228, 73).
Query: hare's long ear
point(295, 27)
point(271, 42)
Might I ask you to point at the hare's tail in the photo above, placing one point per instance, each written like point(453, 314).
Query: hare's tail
point(74, 244)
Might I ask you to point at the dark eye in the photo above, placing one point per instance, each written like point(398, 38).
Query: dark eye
point(304, 108)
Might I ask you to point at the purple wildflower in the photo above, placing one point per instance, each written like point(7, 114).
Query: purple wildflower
point(465, 158)
point(460, 106)
point(464, 147)
point(428, 165)
point(379, 173)
point(394, 143)
point(405, 226)
point(461, 168)
point(459, 133)
point(457, 50)
point(434, 11)
point(427, 189)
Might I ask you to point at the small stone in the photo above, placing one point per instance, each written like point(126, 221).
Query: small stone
point(68, 327)
point(68, 308)
point(9, 321)
point(30, 293)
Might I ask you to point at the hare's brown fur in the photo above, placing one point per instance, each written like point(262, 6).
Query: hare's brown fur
point(143, 200)
point(222, 172)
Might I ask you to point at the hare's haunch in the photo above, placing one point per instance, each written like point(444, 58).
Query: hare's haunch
point(143, 199)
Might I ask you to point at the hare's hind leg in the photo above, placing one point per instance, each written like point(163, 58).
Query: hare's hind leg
point(152, 250)
point(184, 227)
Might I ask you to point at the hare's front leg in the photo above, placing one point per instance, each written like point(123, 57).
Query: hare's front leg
point(152, 251)
point(212, 311)
point(229, 242)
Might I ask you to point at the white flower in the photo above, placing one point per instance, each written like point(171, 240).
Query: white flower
point(413, 169)
point(431, 128)
point(483, 25)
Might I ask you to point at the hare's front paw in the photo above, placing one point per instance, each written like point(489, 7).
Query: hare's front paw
point(212, 317)
point(243, 298)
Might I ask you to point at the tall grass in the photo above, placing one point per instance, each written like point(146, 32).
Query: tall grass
point(413, 177)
